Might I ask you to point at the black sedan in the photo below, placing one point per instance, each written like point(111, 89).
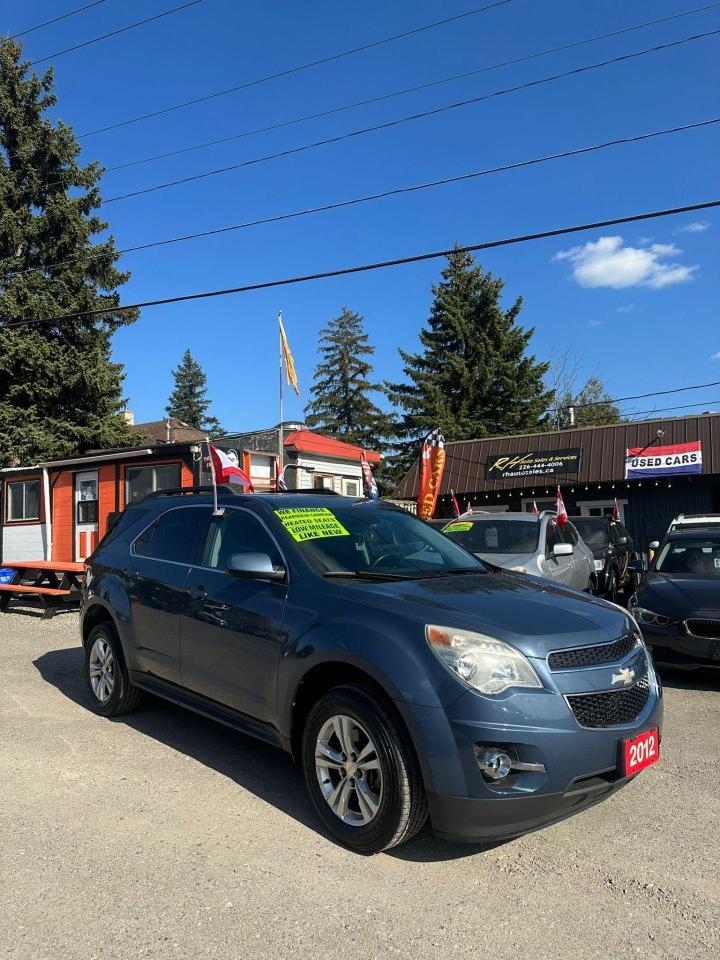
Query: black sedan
point(677, 604)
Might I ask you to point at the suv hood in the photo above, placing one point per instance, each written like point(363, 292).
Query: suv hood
point(534, 615)
point(507, 560)
point(679, 595)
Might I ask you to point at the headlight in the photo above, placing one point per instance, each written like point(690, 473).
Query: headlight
point(599, 565)
point(484, 663)
point(649, 618)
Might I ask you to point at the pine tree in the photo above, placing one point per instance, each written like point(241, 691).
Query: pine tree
point(341, 404)
point(188, 401)
point(474, 377)
point(60, 392)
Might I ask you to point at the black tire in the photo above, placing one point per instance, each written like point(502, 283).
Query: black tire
point(403, 806)
point(124, 697)
point(612, 588)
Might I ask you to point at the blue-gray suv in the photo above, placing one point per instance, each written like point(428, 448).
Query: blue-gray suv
point(403, 675)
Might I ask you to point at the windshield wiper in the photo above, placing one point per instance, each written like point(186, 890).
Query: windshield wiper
point(453, 570)
point(369, 575)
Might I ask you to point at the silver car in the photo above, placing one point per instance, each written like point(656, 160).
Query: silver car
point(527, 543)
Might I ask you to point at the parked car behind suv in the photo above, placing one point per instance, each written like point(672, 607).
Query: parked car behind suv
point(613, 550)
point(402, 674)
point(527, 543)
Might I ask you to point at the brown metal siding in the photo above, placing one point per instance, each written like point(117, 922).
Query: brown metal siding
point(603, 454)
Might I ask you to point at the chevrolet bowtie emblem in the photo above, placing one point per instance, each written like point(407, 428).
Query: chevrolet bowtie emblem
point(626, 677)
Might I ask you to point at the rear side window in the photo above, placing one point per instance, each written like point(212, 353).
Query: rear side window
point(237, 531)
point(175, 535)
point(569, 533)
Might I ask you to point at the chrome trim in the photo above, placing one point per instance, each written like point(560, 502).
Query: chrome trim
point(696, 636)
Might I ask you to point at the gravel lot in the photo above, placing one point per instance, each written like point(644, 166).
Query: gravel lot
point(165, 835)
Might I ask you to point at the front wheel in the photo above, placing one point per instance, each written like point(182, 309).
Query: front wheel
point(361, 771)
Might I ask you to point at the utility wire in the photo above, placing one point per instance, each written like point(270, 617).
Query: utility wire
point(401, 120)
point(367, 267)
point(398, 93)
point(682, 406)
point(48, 23)
point(114, 33)
point(373, 196)
point(641, 396)
point(297, 69)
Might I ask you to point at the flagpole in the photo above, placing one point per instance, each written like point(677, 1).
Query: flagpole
point(280, 359)
point(214, 481)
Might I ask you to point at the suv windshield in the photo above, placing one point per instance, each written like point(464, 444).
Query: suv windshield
point(699, 557)
point(359, 538)
point(495, 535)
point(595, 533)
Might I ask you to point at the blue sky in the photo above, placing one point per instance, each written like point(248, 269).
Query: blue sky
point(638, 305)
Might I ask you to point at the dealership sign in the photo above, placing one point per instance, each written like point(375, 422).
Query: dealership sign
point(652, 461)
point(544, 463)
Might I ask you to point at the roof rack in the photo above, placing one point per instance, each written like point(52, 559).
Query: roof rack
point(312, 491)
point(175, 491)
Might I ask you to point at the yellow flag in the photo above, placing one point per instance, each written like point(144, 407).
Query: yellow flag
point(290, 374)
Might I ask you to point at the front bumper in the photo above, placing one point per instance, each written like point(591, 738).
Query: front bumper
point(674, 646)
point(582, 766)
point(467, 819)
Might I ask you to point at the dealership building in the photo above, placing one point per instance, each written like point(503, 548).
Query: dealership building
point(656, 469)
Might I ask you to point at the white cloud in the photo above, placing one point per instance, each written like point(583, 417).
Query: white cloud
point(715, 356)
point(697, 226)
point(626, 308)
point(608, 262)
point(596, 323)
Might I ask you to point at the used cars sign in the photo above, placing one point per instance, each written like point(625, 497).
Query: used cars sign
point(663, 461)
point(543, 463)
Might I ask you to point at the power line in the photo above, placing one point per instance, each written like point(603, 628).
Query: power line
point(400, 120)
point(378, 265)
point(115, 33)
point(398, 93)
point(681, 406)
point(374, 196)
point(48, 23)
point(642, 396)
point(297, 69)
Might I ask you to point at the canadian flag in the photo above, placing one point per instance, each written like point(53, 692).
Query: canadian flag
point(280, 484)
point(225, 470)
point(534, 508)
point(560, 509)
point(616, 513)
point(455, 504)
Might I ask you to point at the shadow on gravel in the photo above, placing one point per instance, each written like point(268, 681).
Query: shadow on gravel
point(263, 770)
point(695, 679)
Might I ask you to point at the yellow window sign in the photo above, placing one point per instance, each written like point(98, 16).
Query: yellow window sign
point(311, 523)
point(458, 527)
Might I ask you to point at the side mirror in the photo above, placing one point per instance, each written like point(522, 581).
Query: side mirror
point(653, 545)
point(254, 566)
point(638, 566)
point(562, 550)
point(621, 541)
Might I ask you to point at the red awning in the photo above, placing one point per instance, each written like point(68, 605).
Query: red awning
point(305, 441)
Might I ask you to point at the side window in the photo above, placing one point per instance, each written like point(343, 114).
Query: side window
point(237, 531)
point(175, 535)
point(570, 534)
point(552, 536)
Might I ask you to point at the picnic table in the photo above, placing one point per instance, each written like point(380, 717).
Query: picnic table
point(55, 582)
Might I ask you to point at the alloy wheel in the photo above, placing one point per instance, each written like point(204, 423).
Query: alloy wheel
point(348, 770)
point(102, 670)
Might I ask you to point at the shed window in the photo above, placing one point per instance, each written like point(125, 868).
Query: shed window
point(23, 500)
point(140, 481)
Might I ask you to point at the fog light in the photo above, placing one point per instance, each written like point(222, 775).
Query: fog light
point(495, 764)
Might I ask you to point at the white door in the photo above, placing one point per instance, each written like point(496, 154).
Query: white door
point(86, 514)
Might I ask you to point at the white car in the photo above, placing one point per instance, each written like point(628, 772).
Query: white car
point(694, 521)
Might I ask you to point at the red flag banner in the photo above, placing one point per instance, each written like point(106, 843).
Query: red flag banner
point(226, 470)
point(534, 508)
point(616, 513)
point(432, 465)
point(560, 509)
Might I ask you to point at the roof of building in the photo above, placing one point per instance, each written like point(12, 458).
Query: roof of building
point(156, 431)
point(603, 454)
point(306, 441)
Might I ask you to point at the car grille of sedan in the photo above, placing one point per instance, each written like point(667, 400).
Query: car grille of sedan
point(591, 656)
point(611, 708)
point(709, 629)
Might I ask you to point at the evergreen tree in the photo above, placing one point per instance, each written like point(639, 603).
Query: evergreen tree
point(473, 378)
point(592, 406)
point(341, 404)
point(188, 401)
point(60, 393)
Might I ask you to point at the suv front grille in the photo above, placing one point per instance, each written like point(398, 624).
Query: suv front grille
point(591, 656)
point(704, 628)
point(611, 708)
